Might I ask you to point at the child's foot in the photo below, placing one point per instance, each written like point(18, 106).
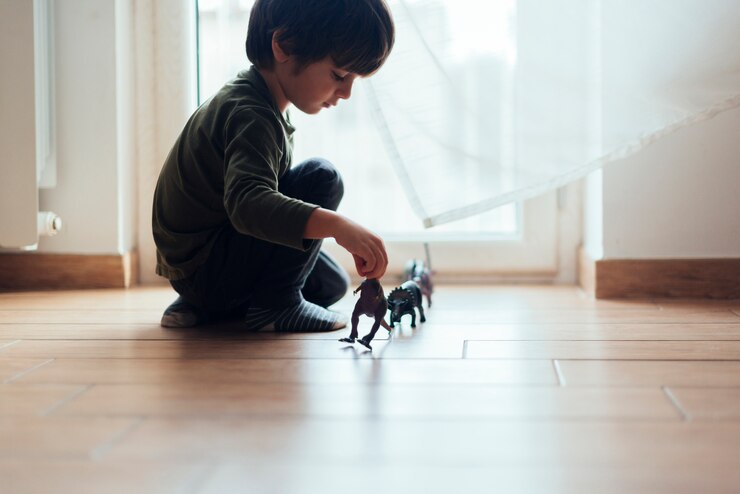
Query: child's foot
point(181, 314)
point(299, 318)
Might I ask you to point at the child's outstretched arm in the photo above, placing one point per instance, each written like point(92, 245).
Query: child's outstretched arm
point(367, 249)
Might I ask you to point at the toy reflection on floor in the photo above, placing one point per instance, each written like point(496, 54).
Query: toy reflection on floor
point(372, 303)
point(403, 300)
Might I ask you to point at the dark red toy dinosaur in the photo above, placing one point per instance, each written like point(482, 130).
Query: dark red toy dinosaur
point(372, 303)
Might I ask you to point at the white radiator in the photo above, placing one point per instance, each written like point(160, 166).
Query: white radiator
point(27, 147)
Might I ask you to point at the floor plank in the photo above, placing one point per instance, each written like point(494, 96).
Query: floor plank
point(6, 343)
point(153, 331)
point(77, 316)
point(60, 437)
point(605, 350)
point(650, 373)
point(586, 331)
point(709, 404)
point(14, 368)
point(299, 371)
point(622, 444)
point(34, 399)
point(279, 347)
point(388, 402)
point(676, 315)
point(524, 297)
point(142, 298)
point(443, 479)
point(80, 477)
point(470, 316)
point(430, 330)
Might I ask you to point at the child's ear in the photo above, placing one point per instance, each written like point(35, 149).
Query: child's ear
point(279, 54)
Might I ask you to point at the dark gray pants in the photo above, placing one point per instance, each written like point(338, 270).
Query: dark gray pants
point(244, 271)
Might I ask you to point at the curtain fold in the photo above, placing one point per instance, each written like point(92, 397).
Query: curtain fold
point(486, 103)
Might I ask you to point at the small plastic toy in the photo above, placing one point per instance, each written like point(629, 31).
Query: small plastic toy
point(416, 271)
point(422, 274)
point(372, 303)
point(403, 300)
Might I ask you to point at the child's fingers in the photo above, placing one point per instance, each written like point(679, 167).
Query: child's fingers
point(382, 258)
point(370, 264)
point(359, 264)
point(364, 266)
point(378, 270)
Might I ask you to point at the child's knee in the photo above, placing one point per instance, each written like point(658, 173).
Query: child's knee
point(328, 181)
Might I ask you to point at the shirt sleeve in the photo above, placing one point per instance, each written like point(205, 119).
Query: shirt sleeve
point(254, 148)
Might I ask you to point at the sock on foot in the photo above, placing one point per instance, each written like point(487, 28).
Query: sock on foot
point(302, 317)
point(181, 314)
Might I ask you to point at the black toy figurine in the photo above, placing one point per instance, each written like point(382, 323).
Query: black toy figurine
point(372, 303)
point(403, 300)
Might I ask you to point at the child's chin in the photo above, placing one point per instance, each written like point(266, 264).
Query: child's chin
point(312, 110)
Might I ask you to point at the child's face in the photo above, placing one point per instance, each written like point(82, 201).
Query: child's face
point(319, 85)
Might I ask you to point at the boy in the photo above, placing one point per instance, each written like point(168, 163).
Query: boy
point(238, 229)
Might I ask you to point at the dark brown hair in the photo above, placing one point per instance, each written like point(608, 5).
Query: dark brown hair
point(357, 34)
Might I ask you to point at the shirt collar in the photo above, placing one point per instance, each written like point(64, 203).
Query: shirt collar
point(255, 78)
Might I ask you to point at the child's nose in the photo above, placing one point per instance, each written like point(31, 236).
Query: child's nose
point(345, 90)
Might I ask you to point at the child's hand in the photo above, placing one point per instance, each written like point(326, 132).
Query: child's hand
point(366, 248)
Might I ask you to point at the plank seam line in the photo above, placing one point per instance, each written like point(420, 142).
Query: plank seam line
point(674, 401)
point(97, 453)
point(3, 346)
point(64, 401)
point(17, 376)
point(559, 372)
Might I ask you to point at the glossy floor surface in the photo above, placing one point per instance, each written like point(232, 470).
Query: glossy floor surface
point(503, 389)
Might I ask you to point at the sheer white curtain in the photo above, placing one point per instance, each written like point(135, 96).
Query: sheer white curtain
point(487, 102)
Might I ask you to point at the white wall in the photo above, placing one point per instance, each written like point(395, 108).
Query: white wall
point(94, 193)
point(18, 121)
point(678, 198)
point(125, 85)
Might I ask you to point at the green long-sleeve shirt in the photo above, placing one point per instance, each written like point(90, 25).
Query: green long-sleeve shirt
point(224, 168)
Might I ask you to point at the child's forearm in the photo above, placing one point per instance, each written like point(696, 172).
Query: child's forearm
point(323, 223)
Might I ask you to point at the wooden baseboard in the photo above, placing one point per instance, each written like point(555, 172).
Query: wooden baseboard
point(660, 278)
point(43, 271)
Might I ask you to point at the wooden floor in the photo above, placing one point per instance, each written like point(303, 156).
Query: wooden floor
point(503, 389)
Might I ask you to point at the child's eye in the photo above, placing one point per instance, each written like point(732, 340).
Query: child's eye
point(337, 77)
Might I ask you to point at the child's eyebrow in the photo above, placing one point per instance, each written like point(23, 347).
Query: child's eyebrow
point(345, 72)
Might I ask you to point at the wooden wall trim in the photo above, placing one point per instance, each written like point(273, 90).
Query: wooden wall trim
point(660, 278)
point(44, 271)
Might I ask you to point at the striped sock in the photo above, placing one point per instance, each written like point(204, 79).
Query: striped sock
point(302, 317)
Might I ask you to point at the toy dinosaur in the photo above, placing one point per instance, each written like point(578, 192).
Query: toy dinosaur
point(372, 303)
point(417, 271)
point(403, 300)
